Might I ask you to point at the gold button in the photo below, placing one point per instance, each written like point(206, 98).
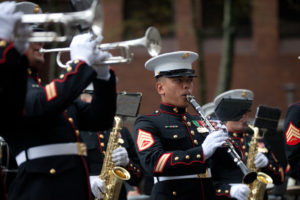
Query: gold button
point(174, 193)
point(176, 158)
point(246, 154)
point(131, 165)
point(227, 191)
point(189, 123)
point(138, 170)
point(70, 120)
point(39, 80)
point(103, 152)
point(69, 69)
point(187, 157)
point(270, 165)
point(102, 144)
point(134, 168)
point(234, 134)
point(156, 111)
point(219, 190)
point(184, 118)
point(244, 147)
point(198, 156)
point(196, 142)
point(274, 168)
point(2, 43)
point(77, 132)
point(175, 109)
point(175, 136)
point(192, 132)
point(76, 61)
point(242, 139)
point(29, 71)
point(61, 76)
point(101, 136)
point(52, 171)
point(36, 9)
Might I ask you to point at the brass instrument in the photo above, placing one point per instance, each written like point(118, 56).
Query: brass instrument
point(112, 175)
point(151, 41)
point(90, 18)
point(259, 185)
point(249, 176)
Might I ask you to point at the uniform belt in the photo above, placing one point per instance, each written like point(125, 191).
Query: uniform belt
point(51, 150)
point(207, 174)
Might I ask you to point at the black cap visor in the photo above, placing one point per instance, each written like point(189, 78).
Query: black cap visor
point(177, 73)
point(232, 109)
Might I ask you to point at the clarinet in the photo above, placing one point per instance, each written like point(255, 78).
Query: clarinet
point(249, 176)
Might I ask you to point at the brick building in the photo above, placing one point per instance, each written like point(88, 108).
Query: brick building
point(263, 63)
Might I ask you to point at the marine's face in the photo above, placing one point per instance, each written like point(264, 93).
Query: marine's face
point(174, 90)
point(34, 56)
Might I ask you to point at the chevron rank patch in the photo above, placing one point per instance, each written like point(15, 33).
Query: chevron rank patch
point(161, 163)
point(144, 140)
point(51, 91)
point(292, 135)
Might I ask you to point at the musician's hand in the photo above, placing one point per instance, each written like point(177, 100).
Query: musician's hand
point(102, 70)
point(120, 156)
point(213, 141)
point(239, 191)
point(23, 32)
point(98, 186)
point(8, 19)
point(261, 160)
point(83, 47)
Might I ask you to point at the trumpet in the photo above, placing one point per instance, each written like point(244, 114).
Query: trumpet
point(91, 18)
point(249, 176)
point(151, 41)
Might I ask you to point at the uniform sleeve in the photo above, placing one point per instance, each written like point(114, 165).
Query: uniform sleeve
point(274, 169)
point(159, 162)
point(133, 166)
point(99, 114)
point(56, 96)
point(292, 135)
point(13, 77)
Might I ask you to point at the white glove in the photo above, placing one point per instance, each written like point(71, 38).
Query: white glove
point(8, 19)
point(83, 47)
point(98, 186)
point(239, 191)
point(260, 160)
point(120, 156)
point(102, 70)
point(212, 142)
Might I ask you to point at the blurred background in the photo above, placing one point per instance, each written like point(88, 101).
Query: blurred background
point(250, 44)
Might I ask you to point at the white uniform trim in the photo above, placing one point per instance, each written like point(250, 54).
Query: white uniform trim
point(51, 150)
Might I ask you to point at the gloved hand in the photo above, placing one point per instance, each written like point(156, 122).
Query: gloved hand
point(102, 70)
point(213, 141)
point(261, 160)
point(239, 191)
point(83, 47)
point(98, 186)
point(120, 156)
point(8, 19)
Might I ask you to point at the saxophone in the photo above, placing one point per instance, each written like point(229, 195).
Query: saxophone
point(258, 186)
point(112, 175)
